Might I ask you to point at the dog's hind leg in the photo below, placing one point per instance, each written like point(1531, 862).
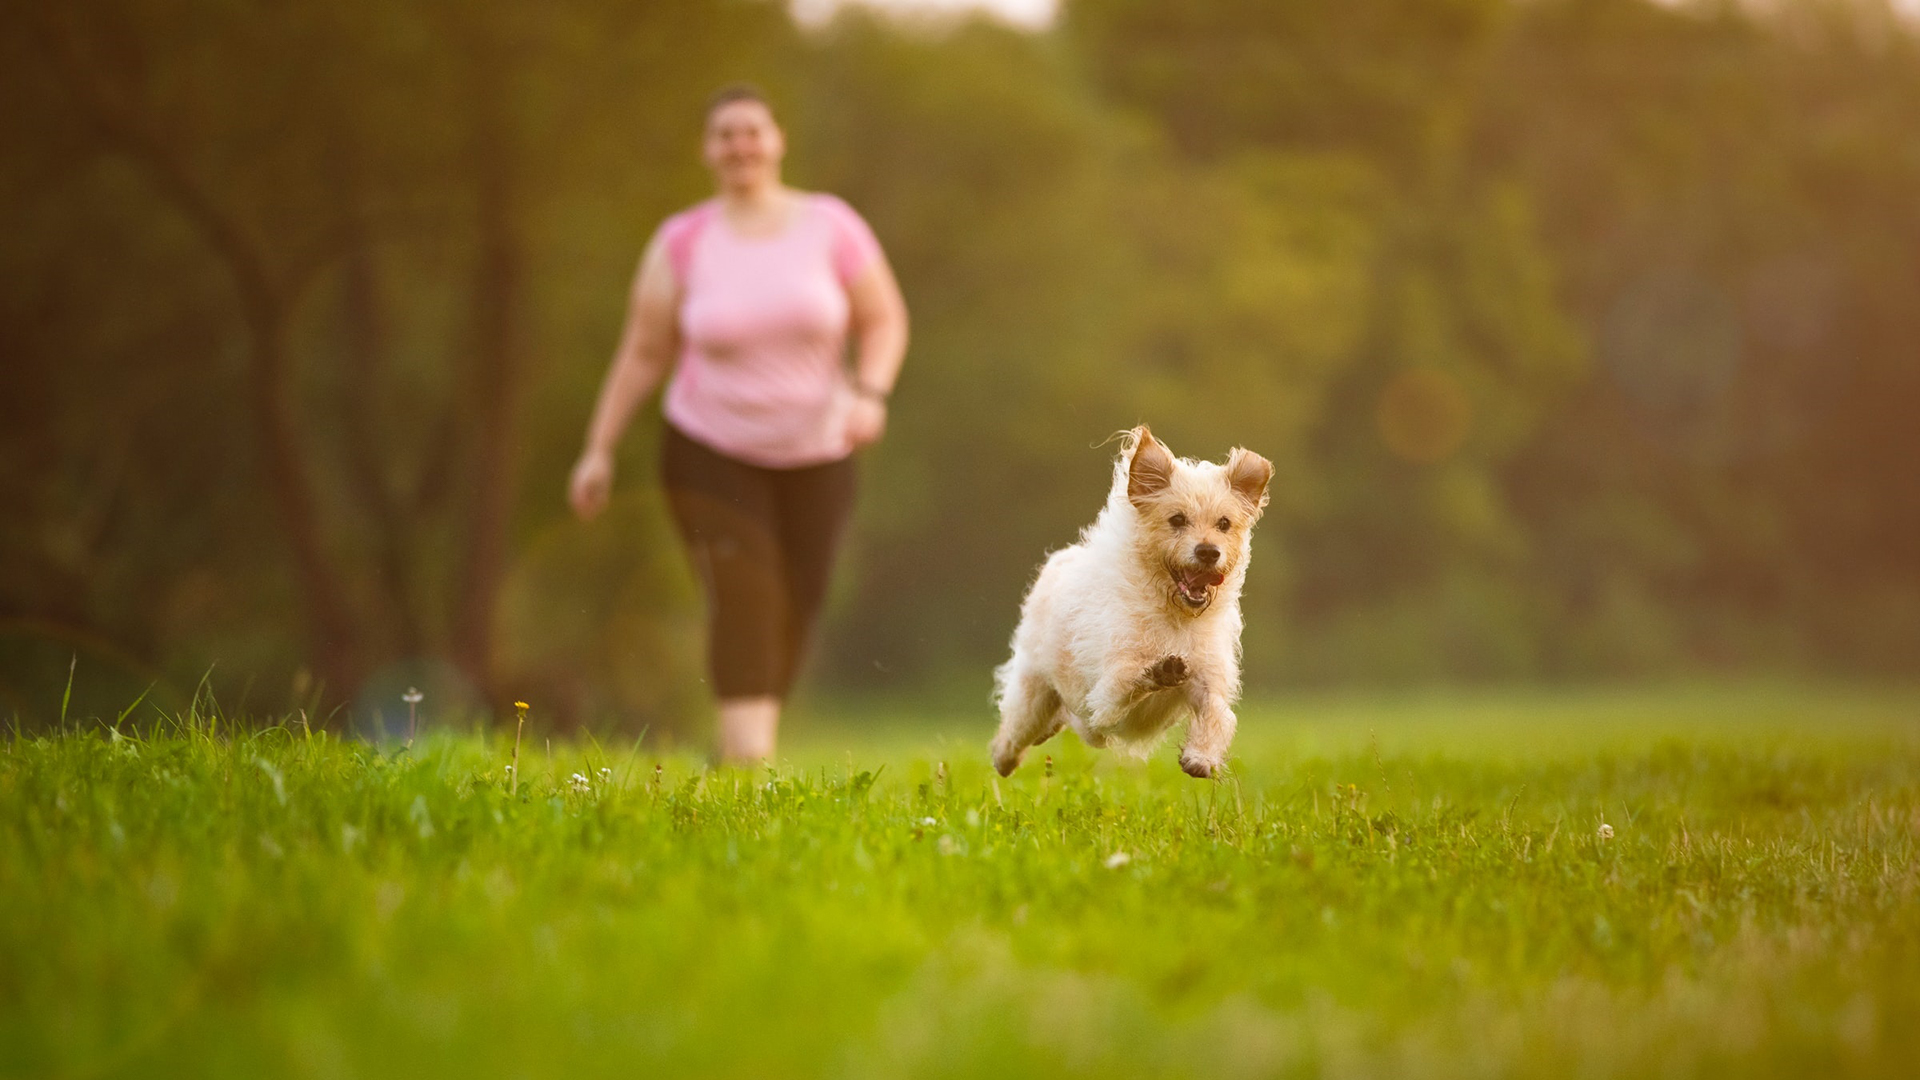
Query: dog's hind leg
point(1029, 714)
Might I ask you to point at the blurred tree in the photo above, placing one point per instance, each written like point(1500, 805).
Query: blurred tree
point(335, 165)
point(1460, 345)
point(1307, 74)
point(1721, 187)
point(1581, 331)
point(267, 276)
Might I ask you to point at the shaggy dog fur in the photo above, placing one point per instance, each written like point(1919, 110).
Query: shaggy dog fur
point(1139, 622)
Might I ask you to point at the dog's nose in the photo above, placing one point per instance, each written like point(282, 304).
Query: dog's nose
point(1207, 553)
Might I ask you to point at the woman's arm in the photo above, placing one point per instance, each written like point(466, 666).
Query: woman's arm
point(641, 361)
point(879, 317)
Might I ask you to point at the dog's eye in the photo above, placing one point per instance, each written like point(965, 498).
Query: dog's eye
point(1178, 521)
point(1224, 524)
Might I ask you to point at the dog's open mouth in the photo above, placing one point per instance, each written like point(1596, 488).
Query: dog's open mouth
point(1194, 587)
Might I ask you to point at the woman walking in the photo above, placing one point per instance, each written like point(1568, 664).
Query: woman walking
point(749, 300)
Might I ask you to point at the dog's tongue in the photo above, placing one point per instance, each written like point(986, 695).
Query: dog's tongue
point(1203, 579)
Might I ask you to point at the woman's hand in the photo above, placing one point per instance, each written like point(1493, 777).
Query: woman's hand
point(647, 345)
point(591, 485)
point(866, 420)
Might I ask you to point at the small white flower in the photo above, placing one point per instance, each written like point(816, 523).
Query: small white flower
point(578, 781)
point(1118, 859)
point(606, 774)
point(413, 696)
point(1606, 831)
point(508, 769)
point(928, 822)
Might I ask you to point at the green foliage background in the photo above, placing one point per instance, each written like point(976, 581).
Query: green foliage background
point(1582, 332)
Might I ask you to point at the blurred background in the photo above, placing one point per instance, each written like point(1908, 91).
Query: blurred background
point(1585, 334)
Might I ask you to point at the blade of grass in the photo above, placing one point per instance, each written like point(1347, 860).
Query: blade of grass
point(67, 694)
point(124, 713)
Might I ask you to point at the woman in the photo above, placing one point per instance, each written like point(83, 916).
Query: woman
point(749, 299)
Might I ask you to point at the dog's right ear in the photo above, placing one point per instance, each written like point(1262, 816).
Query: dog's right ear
point(1249, 473)
point(1151, 469)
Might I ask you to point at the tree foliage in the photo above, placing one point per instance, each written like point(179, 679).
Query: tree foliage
point(1581, 331)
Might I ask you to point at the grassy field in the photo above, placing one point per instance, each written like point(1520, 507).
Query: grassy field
point(1411, 886)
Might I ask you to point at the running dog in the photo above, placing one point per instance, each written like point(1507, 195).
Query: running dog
point(1139, 622)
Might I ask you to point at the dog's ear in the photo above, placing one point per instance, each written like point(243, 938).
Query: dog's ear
point(1249, 474)
point(1151, 469)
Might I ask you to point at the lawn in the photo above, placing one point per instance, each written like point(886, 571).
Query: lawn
point(1409, 887)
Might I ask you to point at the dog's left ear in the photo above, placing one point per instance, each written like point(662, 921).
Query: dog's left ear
point(1249, 474)
point(1151, 469)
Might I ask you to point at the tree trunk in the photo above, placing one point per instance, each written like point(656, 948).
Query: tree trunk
point(264, 306)
point(494, 374)
point(331, 633)
point(367, 447)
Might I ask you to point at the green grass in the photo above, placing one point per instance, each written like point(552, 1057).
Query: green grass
point(1404, 886)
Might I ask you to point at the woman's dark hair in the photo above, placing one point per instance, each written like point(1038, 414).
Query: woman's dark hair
point(732, 92)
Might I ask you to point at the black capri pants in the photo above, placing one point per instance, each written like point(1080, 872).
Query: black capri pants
point(762, 542)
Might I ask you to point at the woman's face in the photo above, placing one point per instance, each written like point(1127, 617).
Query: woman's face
point(743, 145)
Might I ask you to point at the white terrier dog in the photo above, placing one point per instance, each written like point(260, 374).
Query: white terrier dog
point(1140, 620)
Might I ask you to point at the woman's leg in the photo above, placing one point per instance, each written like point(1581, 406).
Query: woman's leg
point(726, 514)
point(748, 728)
point(814, 507)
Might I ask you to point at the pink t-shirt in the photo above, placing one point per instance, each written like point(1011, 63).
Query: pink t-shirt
point(763, 326)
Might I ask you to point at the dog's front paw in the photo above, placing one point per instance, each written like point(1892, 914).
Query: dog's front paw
point(1198, 767)
point(1170, 671)
point(1004, 760)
